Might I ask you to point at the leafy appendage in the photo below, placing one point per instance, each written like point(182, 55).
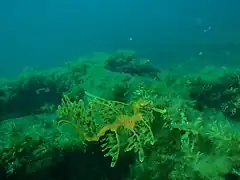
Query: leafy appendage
point(77, 115)
point(111, 146)
point(140, 136)
point(70, 110)
point(134, 144)
point(145, 133)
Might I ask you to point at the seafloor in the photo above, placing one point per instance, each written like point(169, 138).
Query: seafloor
point(119, 117)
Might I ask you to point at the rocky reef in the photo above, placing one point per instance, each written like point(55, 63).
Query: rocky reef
point(119, 117)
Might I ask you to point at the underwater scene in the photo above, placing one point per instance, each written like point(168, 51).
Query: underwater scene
point(117, 116)
point(119, 90)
